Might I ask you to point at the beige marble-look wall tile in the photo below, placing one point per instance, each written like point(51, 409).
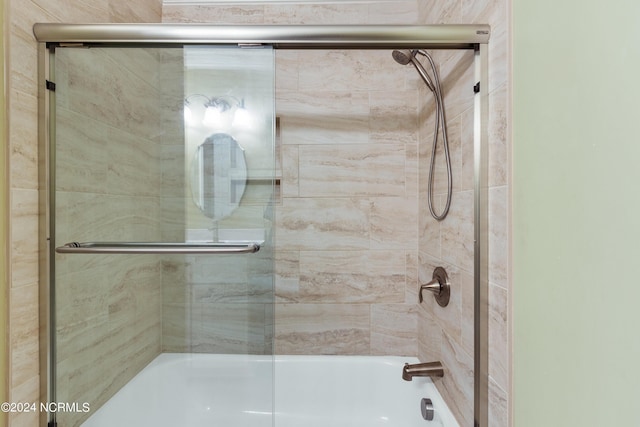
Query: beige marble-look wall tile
point(430, 336)
point(457, 79)
point(424, 9)
point(412, 281)
point(173, 219)
point(466, 288)
point(350, 277)
point(105, 101)
point(498, 54)
point(220, 270)
point(323, 223)
point(457, 232)
point(228, 328)
point(23, 140)
point(457, 384)
point(77, 333)
point(327, 117)
point(28, 391)
point(144, 63)
point(232, 293)
point(440, 12)
point(287, 275)
point(498, 236)
point(393, 223)
point(173, 181)
point(356, 71)
point(133, 165)
point(311, 14)
point(24, 237)
point(346, 170)
point(498, 405)
point(498, 336)
point(489, 12)
point(290, 167)
point(394, 329)
point(176, 327)
point(214, 14)
point(23, 55)
point(498, 149)
point(127, 11)
point(393, 12)
point(322, 329)
point(392, 116)
point(286, 70)
point(24, 338)
point(174, 288)
point(81, 151)
point(73, 11)
point(430, 230)
point(112, 218)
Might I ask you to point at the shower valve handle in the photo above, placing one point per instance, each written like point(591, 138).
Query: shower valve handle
point(439, 286)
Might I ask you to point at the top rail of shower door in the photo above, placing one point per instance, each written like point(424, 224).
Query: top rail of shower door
point(443, 36)
point(156, 248)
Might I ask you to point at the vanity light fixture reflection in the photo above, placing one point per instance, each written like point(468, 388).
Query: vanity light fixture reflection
point(219, 111)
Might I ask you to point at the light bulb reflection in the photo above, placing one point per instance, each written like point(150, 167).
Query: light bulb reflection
point(219, 112)
point(242, 118)
point(212, 117)
point(188, 115)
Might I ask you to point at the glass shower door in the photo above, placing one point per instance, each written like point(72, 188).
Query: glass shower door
point(158, 155)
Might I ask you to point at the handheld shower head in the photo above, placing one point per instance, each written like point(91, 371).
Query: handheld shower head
point(402, 57)
point(405, 56)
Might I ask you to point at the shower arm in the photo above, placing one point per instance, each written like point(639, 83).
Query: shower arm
point(156, 248)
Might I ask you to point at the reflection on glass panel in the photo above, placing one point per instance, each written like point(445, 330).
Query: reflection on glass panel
point(228, 96)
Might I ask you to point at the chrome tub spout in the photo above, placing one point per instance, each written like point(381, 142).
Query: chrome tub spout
point(429, 369)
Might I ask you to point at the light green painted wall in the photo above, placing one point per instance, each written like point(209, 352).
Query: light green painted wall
point(576, 212)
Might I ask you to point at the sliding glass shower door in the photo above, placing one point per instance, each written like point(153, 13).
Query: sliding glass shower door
point(161, 202)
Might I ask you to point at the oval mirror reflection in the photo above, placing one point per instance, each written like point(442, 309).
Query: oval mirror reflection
point(218, 176)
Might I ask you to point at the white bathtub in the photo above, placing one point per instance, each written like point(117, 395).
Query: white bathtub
point(198, 390)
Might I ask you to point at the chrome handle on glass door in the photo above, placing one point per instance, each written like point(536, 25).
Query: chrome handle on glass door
point(156, 248)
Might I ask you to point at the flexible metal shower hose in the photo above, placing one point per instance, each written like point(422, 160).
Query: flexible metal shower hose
point(441, 122)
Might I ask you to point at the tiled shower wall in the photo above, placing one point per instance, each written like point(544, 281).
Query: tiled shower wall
point(24, 377)
point(346, 239)
point(446, 334)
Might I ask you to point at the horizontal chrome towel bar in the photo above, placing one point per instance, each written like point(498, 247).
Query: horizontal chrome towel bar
point(156, 248)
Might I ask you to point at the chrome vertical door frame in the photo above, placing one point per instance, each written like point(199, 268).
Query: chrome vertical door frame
point(46, 196)
point(481, 238)
point(466, 37)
